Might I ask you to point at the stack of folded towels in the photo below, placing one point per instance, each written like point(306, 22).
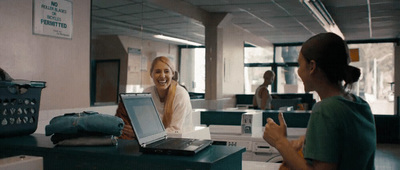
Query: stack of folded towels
point(84, 129)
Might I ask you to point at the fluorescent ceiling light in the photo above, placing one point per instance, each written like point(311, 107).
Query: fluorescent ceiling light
point(318, 10)
point(176, 40)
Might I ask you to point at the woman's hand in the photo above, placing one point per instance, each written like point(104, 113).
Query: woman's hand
point(274, 133)
point(298, 143)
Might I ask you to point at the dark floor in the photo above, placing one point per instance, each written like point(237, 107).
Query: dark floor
point(387, 157)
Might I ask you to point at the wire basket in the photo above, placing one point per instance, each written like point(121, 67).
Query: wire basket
point(19, 107)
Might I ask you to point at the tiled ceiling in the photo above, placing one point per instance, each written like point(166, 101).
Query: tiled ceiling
point(278, 21)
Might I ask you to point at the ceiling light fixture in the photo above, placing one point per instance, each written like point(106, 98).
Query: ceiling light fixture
point(256, 17)
point(176, 40)
point(318, 10)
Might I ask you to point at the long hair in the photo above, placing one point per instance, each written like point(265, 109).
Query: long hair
point(169, 100)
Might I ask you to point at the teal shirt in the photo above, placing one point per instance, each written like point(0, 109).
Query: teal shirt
point(343, 132)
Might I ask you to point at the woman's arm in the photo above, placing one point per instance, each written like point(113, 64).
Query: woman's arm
point(298, 143)
point(275, 135)
point(127, 131)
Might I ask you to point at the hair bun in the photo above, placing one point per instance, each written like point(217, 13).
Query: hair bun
point(352, 74)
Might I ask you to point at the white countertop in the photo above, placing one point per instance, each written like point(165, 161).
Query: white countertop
point(256, 165)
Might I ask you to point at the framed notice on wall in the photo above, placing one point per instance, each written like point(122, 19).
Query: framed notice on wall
point(52, 18)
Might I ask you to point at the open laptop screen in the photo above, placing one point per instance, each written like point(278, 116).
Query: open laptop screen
point(143, 115)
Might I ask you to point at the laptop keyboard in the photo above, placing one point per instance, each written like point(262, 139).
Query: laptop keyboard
point(175, 143)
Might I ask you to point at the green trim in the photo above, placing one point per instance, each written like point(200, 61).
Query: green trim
point(190, 46)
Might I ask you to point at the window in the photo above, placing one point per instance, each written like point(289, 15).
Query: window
point(193, 73)
point(254, 78)
point(288, 81)
point(375, 60)
point(254, 54)
point(286, 72)
point(287, 54)
point(257, 60)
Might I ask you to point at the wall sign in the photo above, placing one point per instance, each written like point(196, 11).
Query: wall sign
point(52, 18)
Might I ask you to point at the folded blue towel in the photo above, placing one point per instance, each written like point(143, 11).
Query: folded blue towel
point(74, 123)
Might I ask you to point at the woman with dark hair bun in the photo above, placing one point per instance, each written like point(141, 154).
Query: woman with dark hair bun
point(331, 54)
point(341, 131)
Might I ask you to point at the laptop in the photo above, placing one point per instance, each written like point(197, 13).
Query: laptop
point(150, 131)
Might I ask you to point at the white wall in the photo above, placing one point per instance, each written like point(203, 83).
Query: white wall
point(62, 63)
point(150, 49)
point(233, 54)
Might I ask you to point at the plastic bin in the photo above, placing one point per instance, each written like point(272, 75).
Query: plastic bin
point(19, 106)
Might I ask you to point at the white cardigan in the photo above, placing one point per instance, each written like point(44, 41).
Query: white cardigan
point(182, 116)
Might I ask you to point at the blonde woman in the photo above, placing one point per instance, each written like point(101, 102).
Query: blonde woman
point(172, 101)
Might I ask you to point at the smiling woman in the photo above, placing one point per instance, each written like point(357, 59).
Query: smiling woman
point(172, 101)
point(162, 70)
